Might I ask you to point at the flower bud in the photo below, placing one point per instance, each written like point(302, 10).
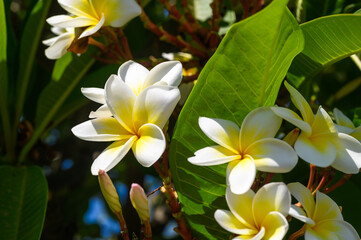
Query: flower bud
point(140, 202)
point(292, 136)
point(109, 192)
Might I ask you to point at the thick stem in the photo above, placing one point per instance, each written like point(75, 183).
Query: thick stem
point(123, 226)
point(146, 231)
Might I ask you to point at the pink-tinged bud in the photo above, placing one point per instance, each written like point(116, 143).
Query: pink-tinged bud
point(109, 192)
point(292, 136)
point(140, 202)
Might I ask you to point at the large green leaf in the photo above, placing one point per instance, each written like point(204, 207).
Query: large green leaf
point(327, 40)
point(23, 199)
point(29, 43)
point(245, 72)
point(67, 73)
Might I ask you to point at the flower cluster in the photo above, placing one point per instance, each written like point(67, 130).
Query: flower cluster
point(88, 17)
point(253, 147)
point(136, 106)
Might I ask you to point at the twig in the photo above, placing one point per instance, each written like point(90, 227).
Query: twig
point(312, 176)
point(297, 234)
point(339, 183)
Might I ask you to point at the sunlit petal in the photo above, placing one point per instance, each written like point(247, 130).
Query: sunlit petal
point(93, 29)
point(77, 7)
point(258, 124)
point(341, 119)
point(273, 155)
point(300, 102)
point(348, 158)
point(326, 209)
point(269, 198)
point(154, 105)
point(134, 75)
point(292, 117)
point(229, 222)
point(120, 100)
point(258, 236)
point(311, 234)
point(304, 196)
point(318, 151)
point(223, 132)
point(150, 145)
point(275, 225)
point(333, 229)
point(112, 155)
point(241, 174)
point(214, 155)
point(323, 123)
point(94, 94)
point(100, 130)
point(169, 72)
point(102, 112)
point(241, 206)
point(65, 21)
point(298, 213)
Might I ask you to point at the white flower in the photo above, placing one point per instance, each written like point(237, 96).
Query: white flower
point(323, 218)
point(257, 216)
point(58, 45)
point(319, 142)
point(247, 149)
point(94, 14)
point(345, 125)
point(137, 78)
point(137, 123)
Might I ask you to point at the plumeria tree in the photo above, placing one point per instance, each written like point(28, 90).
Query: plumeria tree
point(247, 112)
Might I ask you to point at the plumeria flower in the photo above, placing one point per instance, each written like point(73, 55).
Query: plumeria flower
point(322, 218)
point(345, 125)
point(58, 45)
point(94, 14)
point(247, 149)
point(319, 142)
point(257, 216)
point(136, 123)
point(137, 78)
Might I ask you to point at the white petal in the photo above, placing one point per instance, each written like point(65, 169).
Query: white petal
point(120, 100)
point(304, 196)
point(343, 129)
point(241, 206)
point(117, 13)
point(112, 155)
point(275, 225)
point(223, 132)
point(102, 112)
point(150, 145)
point(65, 21)
point(94, 94)
point(241, 174)
point(300, 102)
point(357, 133)
point(341, 119)
point(169, 72)
point(230, 223)
point(258, 236)
point(318, 150)
point(348, 158)
point(332, 229)
point(50, 41)
point(292, 117)
point(93, 28)
point(154, 105)
point(326, 209)
point(269, 198)
point(214, 155)
point(258, 124)
point(299, 214)
point(101, 130)
point(273, 155)
point(60, 46)
point(78, 7)
point(133, 74)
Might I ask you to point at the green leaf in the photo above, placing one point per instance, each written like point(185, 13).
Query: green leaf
point(3, 58)
point(245, 72)
point(29, 43)
point(327, 40)
point(23, 199)
point(67, 73)
point(76, 99)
